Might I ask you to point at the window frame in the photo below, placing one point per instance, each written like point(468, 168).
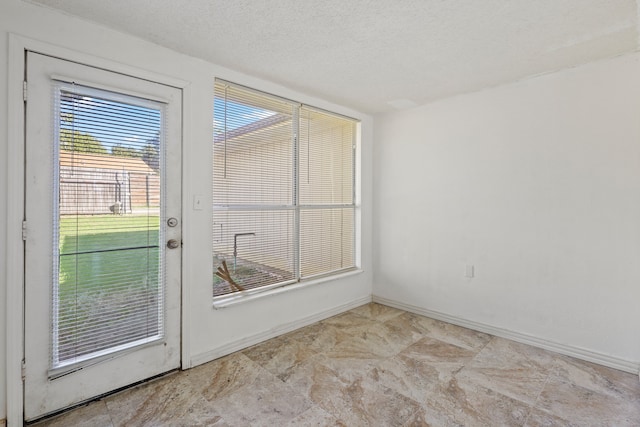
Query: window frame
point(298, 281)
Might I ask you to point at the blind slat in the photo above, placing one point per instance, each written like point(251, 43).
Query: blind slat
point(270, 155)
point(109, 276)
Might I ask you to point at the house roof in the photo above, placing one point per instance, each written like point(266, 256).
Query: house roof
point(104, 161)
point(258, 125)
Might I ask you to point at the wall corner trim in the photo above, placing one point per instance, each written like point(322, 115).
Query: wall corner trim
point(243, 343)
point(567, 350)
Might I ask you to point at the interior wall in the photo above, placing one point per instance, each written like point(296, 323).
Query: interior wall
point(536, 185)
point(210, 331)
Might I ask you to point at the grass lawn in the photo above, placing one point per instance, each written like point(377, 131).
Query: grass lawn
point(108, 281)
point(91, 232)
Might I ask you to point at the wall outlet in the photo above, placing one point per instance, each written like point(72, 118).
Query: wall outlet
point(469, 271)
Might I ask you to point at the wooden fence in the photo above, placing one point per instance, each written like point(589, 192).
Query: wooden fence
point(91, 191)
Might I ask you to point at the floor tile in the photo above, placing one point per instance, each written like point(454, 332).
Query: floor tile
point(361, 402)
point(314, 374)
point(377, 311)
point(94, 414)
point(161, 402)
point(351, 350)
point(538, 418)
point(267, 401)
point(201, 413)
point(587, 407)
point(221, 377)
point(594, 377)
point(434, 351)
point(282, 355)
point(420, 369)
point(315, 416)
point(468, 404)
point(347, 320)
point(447, 332)
point(513, 369)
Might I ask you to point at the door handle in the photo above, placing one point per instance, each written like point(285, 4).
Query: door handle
point(173, 244)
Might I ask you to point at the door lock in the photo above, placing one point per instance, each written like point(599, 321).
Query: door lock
point(172, 222)
point(173, 244)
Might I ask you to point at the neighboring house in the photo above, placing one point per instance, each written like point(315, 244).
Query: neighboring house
point(254, 179)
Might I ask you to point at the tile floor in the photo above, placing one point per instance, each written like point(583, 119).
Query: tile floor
point(377, 366)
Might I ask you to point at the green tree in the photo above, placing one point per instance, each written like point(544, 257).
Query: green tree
point(73, 140)
point(151, 156)
point(124, 151)
point(151, 152)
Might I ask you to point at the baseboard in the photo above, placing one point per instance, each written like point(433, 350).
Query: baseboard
point(579, 353)
point(243, 343)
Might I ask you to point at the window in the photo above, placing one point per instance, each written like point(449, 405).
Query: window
point(108, 290)
point(283, 191)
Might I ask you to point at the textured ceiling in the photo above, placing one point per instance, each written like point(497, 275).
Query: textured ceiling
point(378, 55)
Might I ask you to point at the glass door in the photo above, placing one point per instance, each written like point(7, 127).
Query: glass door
point(103, 248)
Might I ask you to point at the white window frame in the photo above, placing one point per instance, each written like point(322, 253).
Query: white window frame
point(298, 281)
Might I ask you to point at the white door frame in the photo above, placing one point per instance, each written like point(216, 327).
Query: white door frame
point(14, 308)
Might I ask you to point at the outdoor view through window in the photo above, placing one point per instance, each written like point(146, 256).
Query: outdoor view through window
point(283, 191)
point(108, 291)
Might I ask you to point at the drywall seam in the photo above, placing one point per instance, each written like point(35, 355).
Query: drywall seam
point(243, 343)
point(577, 352)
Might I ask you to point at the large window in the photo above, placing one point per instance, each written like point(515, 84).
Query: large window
point(283, 191)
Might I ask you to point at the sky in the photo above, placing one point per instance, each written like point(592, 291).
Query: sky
point(111, 122)
point(120, 123)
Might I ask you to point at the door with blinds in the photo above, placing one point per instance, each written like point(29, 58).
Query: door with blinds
point(103, 232)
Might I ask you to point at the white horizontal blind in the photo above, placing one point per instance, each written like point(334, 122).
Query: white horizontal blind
point(253, 221)
point(283, 191)
point(326, 181)
point(108, 288)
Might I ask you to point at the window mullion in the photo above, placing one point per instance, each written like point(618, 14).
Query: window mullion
point(296, 191)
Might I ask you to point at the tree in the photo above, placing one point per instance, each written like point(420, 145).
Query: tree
point(151, 152)
point(124, 151)
point(73, 140)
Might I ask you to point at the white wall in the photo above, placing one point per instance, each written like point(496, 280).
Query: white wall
point(536, 184)
point(210, 331)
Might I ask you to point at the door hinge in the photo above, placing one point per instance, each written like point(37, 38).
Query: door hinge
point(24, 230)
point(24, 90)
point(23, 370)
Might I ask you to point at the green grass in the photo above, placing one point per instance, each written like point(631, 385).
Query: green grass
point(105, 269)
point(81, 240)
point(96, 232)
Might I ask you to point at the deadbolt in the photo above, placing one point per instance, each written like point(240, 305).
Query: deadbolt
point(173, 244)
point(172, 222)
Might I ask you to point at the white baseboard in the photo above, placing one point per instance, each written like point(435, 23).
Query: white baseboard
point(243, 343)
point(579, 353)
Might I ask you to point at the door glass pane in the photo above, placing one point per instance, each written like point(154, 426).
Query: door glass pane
point(108, 285)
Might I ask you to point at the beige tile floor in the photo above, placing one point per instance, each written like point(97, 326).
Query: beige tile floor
point(377, 366)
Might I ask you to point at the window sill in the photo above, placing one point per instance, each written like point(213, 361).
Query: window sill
point(223, 302)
